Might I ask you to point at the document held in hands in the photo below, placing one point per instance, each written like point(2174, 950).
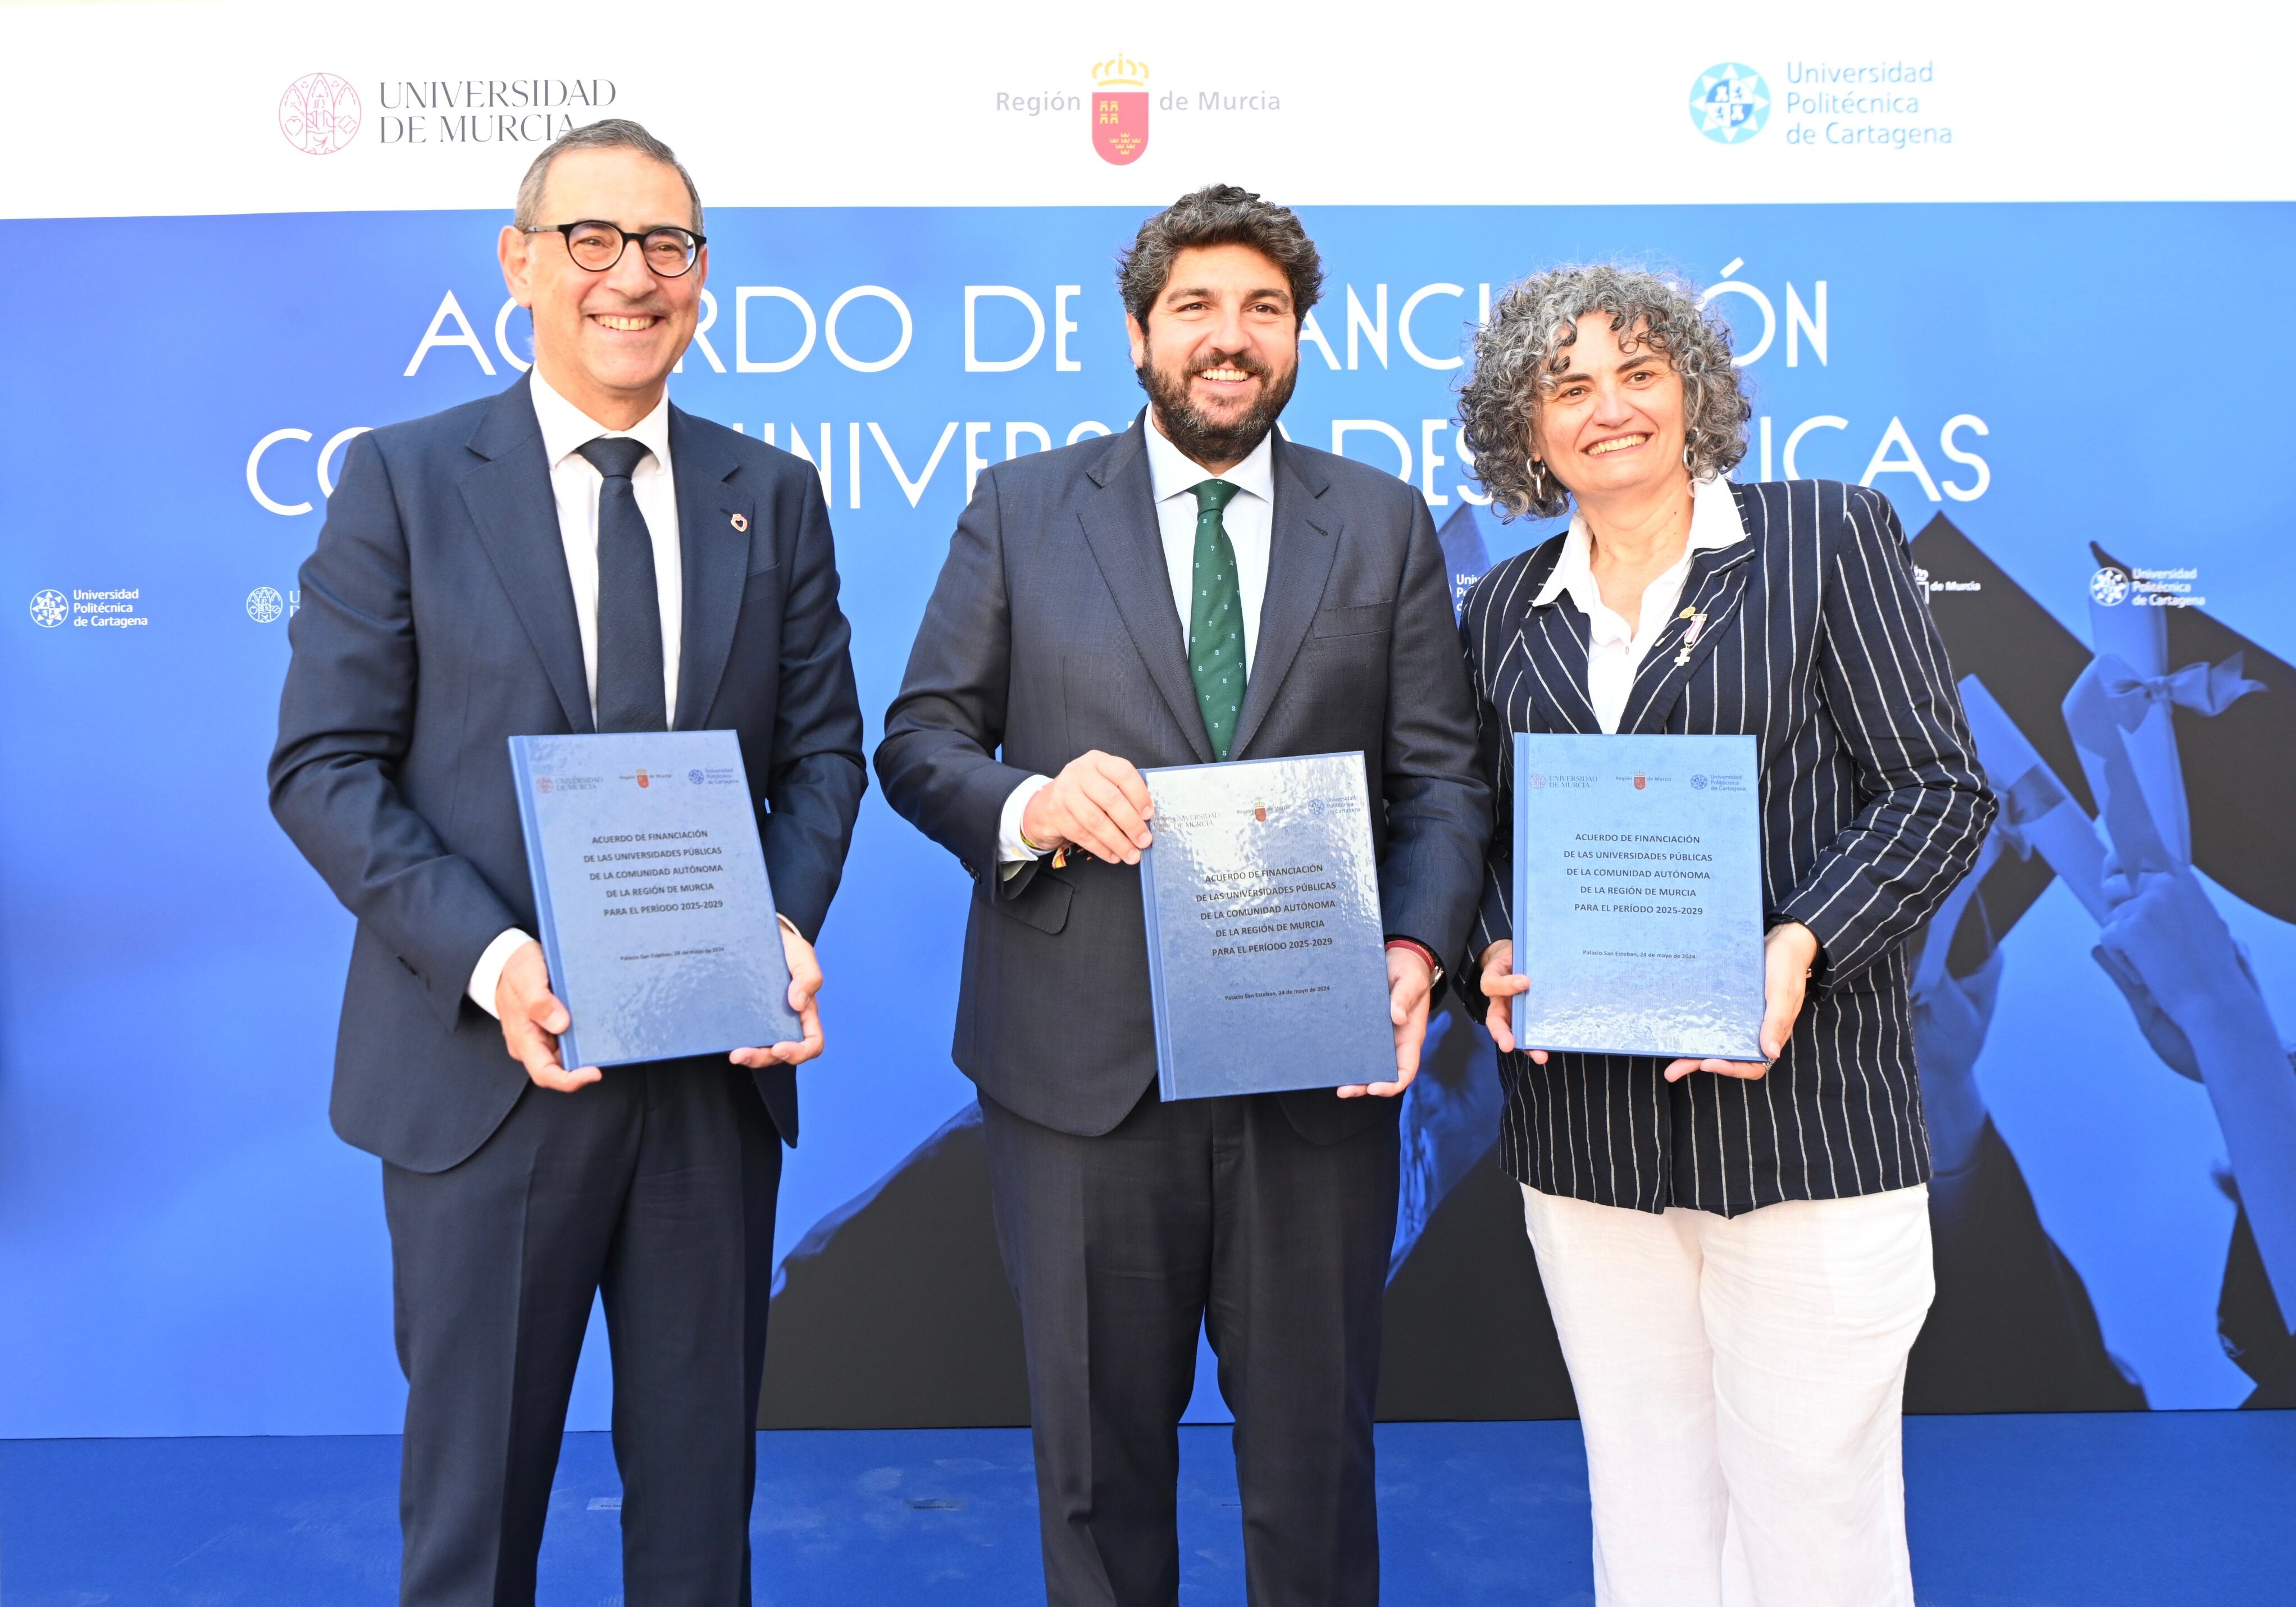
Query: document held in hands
point(1266, 963)
point(1638, 895)
point(650, 885)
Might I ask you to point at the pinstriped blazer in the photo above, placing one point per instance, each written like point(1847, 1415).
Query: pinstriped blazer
point(1818, 644)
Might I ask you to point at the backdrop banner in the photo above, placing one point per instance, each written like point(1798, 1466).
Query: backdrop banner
point(1965, 266)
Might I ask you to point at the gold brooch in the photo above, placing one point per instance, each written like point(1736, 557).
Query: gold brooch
point(740, 524)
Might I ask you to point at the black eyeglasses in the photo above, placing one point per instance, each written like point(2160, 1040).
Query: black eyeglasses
point(598, 246)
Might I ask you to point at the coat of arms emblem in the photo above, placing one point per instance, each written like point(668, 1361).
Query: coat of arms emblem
point(1119, 109)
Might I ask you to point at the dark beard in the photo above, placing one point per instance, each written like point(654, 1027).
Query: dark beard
point(1199, 438)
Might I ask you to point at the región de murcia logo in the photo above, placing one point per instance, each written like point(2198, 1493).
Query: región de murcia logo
point(1119, 109)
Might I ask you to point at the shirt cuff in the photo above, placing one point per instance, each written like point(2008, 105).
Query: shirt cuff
point(1012, 847)
point(1434, 966)
point(486, 976)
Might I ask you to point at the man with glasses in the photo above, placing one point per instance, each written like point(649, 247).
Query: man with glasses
point(574, 554)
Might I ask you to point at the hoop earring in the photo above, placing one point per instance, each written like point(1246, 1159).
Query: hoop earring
point(1538, 480)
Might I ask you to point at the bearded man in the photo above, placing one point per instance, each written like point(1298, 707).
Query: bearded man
point(1194, 590)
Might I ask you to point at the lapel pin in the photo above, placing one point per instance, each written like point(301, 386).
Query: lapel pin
point(1689, 638)
point(740, 524)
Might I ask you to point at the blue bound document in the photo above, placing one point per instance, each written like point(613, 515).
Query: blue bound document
point(650, 884)
point(1638, 895)
point(1266, 963)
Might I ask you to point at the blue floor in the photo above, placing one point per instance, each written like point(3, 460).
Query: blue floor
point(2146, 1510)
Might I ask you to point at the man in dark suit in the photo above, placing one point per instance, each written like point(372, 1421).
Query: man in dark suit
point(1194, 589)
point(574, 554)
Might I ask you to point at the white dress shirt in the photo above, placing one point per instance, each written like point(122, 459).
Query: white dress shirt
point(575, 483)
point(1250, 521)
point(1615, 649)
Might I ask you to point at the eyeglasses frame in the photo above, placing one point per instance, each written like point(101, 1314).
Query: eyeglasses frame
point(566, 230)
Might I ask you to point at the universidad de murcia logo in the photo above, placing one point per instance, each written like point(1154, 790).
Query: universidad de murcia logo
point(1119, 109)
point(1729, 103)
point(320, 113)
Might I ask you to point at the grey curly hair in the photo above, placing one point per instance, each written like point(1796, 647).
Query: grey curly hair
point(1521, 347)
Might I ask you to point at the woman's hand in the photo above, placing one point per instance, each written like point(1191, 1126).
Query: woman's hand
point(1789, 954)
point(1500, 986)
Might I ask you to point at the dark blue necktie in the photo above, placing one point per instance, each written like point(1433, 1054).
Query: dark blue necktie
point(629, 694)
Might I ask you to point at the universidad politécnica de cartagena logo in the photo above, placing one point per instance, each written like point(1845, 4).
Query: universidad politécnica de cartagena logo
point(1729, 103)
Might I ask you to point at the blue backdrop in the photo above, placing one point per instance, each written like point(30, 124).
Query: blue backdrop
point(185, 1248)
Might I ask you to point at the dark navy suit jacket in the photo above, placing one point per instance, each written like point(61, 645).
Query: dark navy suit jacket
point(437, 622)
point(1052, 631)
point(1817, 642)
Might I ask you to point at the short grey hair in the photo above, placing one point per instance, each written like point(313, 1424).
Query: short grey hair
point(608, 133)
point(1524, 343)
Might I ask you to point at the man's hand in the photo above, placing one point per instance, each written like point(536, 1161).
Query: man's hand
point(1098, 803)
point(1789, 954)
point(805, 983)
point(532, 1018)
point(1409, 988)
point(1500, 985)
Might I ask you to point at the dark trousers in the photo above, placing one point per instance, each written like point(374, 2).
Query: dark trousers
point(655, 1187)
point(1212, 1213)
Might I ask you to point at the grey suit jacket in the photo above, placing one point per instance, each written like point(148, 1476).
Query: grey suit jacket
point(437, 622)
point(1052, 632)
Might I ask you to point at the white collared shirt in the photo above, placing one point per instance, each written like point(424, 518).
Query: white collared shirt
point(1250, 521)
point(566, 429)
point(1614, 648)
point(575, 483)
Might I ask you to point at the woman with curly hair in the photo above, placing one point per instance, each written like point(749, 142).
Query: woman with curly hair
point(1737, 1254)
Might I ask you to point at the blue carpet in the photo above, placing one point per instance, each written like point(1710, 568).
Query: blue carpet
point(2143, 1510)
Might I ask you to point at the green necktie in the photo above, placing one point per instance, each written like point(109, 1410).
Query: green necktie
point(1216, 620)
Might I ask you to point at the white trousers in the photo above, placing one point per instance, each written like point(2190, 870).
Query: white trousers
point(1739, 1382)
